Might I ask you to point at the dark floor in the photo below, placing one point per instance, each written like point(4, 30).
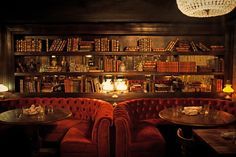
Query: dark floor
point(14, 142)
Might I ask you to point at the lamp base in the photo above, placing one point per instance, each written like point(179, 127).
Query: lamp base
point(114, 96)
point(2, 97)
point(228, 97)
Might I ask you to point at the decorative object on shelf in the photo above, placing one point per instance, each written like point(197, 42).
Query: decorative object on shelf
point(122, 67)
point(205, 8)
point(3, 88)
point(176, 84)
point(118, 86)
point(107, 86)
point(228, 89)
point(140, 66)
point(121, 86)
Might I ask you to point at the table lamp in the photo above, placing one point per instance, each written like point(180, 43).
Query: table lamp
point(3, 88)
point(120, 86)
point(107, 86)
point(228, 89)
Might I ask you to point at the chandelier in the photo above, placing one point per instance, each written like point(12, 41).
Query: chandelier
point(205, 8)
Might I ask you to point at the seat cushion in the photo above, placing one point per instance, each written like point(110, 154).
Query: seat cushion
point(154, 121)
point(77, 140)
point(55, 132)
point(147, 138)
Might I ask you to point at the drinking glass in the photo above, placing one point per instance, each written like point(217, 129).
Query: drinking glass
point(50, 109)
point(206, 109)
point(18, 113)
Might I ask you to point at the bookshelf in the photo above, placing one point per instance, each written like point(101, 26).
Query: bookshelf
point(70, 63)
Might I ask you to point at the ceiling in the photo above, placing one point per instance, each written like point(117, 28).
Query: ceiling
point(73, 11)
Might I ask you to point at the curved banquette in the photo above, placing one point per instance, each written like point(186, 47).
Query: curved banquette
point(136, 123)
point(86, 133)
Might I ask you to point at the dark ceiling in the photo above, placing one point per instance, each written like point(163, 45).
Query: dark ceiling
point(74, 11)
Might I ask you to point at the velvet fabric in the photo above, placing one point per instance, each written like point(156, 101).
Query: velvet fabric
point(136, 122)
point(85, 133)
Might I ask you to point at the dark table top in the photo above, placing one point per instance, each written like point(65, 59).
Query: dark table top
point(213, 138)
point(214, 118)
point(16, 117)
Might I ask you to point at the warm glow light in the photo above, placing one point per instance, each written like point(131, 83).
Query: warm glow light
point(205, 8)
point(3, 88)
point(121, 85)
point(228, 90)
point(107, 86)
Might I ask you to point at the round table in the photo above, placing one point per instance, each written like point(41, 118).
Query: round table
point(31, 123)
point(16, 117)
point(213, 118)
point(187, 122)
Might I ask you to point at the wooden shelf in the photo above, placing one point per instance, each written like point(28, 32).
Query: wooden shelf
point(128, 36)
point(120, 53)
point(124, 96)
point(128, 73)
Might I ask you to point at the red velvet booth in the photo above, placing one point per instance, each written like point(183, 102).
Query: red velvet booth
point(86, 133)
point(136, 120)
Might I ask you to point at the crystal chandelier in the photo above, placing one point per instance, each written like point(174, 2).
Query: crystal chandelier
point(205, 8)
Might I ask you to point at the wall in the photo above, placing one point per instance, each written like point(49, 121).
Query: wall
point(57, 12)
point(234, 59)
point(72, 11)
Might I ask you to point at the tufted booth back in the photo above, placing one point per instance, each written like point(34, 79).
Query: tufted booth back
point(81, 108)
point(149, 108)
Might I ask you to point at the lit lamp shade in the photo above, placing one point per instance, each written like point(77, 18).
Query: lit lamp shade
point(121, 85)
point(3, 88)
point(228, 90)
point(107, 86)
point(205, 8)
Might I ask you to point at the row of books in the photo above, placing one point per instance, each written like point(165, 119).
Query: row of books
point(111, 64)
point(191, 46)
point(69, 85)
point(102, 44)
point(30, 85)
point(153, 86)
point(82, 85)
point(29, 45)
point(176, 66)
point(75, 44)
point(145, 44)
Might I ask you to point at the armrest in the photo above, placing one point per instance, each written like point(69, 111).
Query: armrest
point(123, 137)
point(103, 116)
point(123, 131)
point(101, 129)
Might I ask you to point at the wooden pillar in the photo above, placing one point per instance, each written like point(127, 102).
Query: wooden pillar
point(234, 56)
point(1, 55)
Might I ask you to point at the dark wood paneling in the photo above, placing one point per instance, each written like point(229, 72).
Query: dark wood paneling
point(234, 60)
point(70, 11)
point(121, 28)
point(1, 55)
point(3, 63)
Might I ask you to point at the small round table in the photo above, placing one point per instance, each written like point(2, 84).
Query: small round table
point(31, 124)
point(16, 117)
point(214, 118)
point(187, 122)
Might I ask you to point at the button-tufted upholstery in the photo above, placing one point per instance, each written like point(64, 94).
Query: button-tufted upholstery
point(86, 133)
point(136, 120)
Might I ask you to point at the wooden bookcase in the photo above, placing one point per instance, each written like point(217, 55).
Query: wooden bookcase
point(42, 62)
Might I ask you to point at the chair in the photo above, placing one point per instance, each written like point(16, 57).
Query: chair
point(136, 136)
point(186, 144)
point(91, 136)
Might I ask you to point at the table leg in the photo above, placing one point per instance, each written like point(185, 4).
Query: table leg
point(32, 132)
point(187, 132)
point(185, 141)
